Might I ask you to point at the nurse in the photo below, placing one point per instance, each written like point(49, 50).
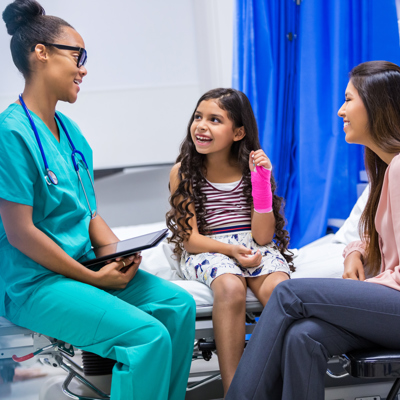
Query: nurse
point(49, 222)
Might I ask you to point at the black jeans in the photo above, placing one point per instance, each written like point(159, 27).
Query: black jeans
point(305, 322)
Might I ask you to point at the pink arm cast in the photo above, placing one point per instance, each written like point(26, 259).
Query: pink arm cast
point(261, 190)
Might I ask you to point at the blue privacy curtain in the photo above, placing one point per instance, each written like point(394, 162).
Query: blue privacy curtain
point(292, 59)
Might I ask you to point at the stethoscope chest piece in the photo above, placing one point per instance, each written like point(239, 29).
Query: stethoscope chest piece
point(51, 178)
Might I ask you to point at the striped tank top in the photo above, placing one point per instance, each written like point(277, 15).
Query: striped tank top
point(226, 207)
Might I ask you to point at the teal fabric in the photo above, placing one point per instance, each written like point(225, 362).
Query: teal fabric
point(61, 211)
point(147, 327)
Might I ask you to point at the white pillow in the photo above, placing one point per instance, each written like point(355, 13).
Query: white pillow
point(320, 259)
point(349, 231)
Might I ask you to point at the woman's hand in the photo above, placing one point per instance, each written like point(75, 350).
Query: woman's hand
point(353, 267)
point(245, 258)
point(117, 274)
point(259, 158)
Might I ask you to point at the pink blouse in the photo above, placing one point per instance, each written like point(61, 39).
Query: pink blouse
point(387, 223)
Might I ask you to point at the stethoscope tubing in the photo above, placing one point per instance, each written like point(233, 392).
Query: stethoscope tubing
point(34, 131)
point(74, 150)
point(51, 177)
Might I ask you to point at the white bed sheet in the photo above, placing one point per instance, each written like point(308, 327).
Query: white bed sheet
point(320, 259)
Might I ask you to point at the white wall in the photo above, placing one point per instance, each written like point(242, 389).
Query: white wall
point(148, 63)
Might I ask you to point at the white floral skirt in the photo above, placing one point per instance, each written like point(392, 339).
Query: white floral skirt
point(205, 267)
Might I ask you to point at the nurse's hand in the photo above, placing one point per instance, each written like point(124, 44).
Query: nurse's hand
point(353, 267)
point(116, 275)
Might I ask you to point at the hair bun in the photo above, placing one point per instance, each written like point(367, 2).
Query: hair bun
point(21, 12)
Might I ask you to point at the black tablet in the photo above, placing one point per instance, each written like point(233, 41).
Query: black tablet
point(124, 248)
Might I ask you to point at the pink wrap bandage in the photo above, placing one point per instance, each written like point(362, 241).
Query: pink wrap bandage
point(261, 190)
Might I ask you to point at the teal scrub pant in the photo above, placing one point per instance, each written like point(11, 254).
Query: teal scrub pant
point(148, 328)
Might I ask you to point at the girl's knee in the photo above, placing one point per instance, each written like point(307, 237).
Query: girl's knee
point(279, 277)
point(274, 279)
point(229, 287)
point(283, 287)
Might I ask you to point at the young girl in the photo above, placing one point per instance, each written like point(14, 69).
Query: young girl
point(307, 321)
point(224, 216)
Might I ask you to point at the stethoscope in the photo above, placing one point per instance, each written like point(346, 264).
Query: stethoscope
point(50, 176)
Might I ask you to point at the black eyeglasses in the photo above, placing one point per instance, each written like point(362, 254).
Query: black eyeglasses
point(82, 58)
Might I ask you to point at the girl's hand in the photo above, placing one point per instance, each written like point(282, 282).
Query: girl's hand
point(116, 275)
point(353, 267)
point(245, 258)
point(259, 158)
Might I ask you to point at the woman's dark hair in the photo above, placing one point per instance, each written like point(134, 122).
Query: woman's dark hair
point(27, 23)
point(378, 85)
point(193, 170)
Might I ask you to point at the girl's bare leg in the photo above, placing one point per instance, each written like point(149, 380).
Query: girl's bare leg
point(262, 286)
point(229, 315)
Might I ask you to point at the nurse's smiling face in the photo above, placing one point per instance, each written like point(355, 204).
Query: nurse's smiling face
point(355, 117)
point(63, 76)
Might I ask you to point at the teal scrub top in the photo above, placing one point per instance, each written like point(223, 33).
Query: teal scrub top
point(60, 211)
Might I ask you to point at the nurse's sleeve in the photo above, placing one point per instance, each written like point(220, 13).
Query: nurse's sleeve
point(18, 171)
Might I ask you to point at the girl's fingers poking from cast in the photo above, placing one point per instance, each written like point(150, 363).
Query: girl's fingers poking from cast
point(260, 159)
point(252, 166)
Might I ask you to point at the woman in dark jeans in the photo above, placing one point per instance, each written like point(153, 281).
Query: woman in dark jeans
point(306, 321)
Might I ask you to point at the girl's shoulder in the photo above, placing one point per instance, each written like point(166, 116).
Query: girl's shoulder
point(174, 174)
point(174, 177)
point(175, 168)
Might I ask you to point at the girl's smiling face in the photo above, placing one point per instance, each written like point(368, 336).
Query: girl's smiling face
point(355, 117)
point(212, 131)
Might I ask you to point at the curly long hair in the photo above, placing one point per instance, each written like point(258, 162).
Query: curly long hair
point(378, 85)
point(192, 173)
